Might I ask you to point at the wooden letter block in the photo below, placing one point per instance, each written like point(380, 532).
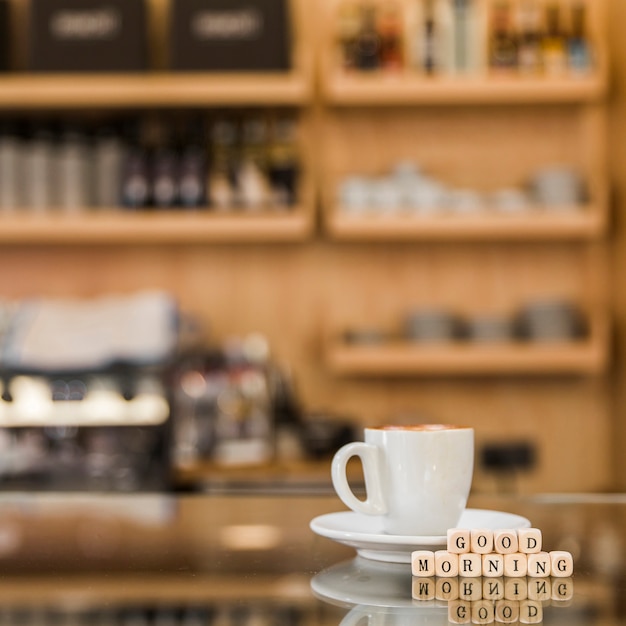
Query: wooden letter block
point(538, 564)
point(481, 540)
point(515, 589)
point(561, 563)
point(493, 589)
point(515, 564)
point(458, 540)
point(470, 589)
point(483, 612)
point(529, 540)
point(539, 589)
point(423, 589)
point(562, 590)
point(459, 612)
point(446, 563)
point(507, 611)
point(530, 612)
point(493, 565)
point(423, 563)
point(470, 564)
point(447, 589)
point(505, 541)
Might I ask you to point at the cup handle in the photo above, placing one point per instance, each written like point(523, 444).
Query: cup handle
point(374, 504)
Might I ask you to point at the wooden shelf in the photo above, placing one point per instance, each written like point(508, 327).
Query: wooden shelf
point(583, 357)
point(158, 589)
point(406, 89)
point(37, 91)
point(279, 472)
point(401, 359)
point(118, 227)
point(575, 224)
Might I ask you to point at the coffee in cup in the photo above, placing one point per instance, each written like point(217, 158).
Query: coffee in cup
point(417, 477)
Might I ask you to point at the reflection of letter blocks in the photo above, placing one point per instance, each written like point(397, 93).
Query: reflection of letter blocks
point(481, 541)
point(446, 564)
point(561, 563)
point(458, 540)
point(483, 612)
point(459, 612)
point(493, 565)
point(515, 564)
point(562, 590)
point(447, 589)
point(530, 612)
point(423, 589)
point(470, 564)
point(470, 589)
point(539, 589)
point(515, 589)
point(539, 564)
point(505, 541)
point(493, 589)
point(423, 563)
point(529, 540)
point(507, 611)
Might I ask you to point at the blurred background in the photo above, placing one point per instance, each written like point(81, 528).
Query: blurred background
point(232, 234)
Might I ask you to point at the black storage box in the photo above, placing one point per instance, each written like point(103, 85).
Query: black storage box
point(230, 35)
point(88, 36)
point(5, 35)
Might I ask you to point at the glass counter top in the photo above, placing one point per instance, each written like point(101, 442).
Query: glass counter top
point(226, 560)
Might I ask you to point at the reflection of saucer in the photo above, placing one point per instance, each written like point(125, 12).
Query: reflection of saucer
point(375, 590)
point(365, 582)
point(408, 616)
point(365, 533)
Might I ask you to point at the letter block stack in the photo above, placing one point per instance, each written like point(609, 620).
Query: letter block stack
point(493, 553)
point(516, 576)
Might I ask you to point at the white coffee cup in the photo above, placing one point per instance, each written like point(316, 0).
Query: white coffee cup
point(417, 478)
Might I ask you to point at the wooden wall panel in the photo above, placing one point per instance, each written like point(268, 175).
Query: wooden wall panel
point(617, 153)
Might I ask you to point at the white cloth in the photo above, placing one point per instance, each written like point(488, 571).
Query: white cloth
point(49, 335)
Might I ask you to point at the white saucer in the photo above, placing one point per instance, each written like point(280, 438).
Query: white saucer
point(365, 533)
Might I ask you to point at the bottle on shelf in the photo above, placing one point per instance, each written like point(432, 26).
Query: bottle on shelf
point(554, 42)
point(434, 37)
point(193, 167)
point(469, 37)
point(283, 162)
point(164, 174)
point(74, 170)
point(10, 167)
point(461, 35)
point(443, 11)
point(529, 25)
point(503, 42)
point(135, 178)
point(108, 160)
point(578, 48)
point(348, 25)
point(221, 176)
point(253, 188)
point(391, 37)
point(39, 173)
point(367, 45)
point(427, 55)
